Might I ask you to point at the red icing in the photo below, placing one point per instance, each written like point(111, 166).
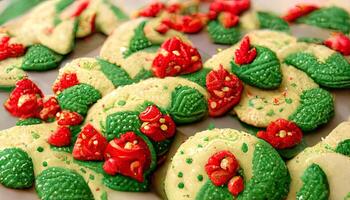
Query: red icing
point(185, 23)
point(225, 91)
point(176, 57)
point(156, 125)
point(245, 55)
point(50, 109)
point(67, 80)
point(128, 155)
point(26, 100)
point(61, 137)
point(90, 144)
point(299, 11)
point(232, 8)
point(236, 185)
point(152, 10)
point(281, 134)
point(228, 19)
point(80, 8)
point(8, 50)
point(68, 118)
point(339, 42)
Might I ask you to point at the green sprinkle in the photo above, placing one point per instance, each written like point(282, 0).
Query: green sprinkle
point(45, 164)
point(270, 113)
point(250, 103)
point(189, 160)
point(259, 108)
point(180, 175)
point(206, 139)
point(40, 149)
point(182, 152)
point(181, 185)
point(92, 177)
point(211, 126)
point(244, 148)
point(165, 87)
point(289, 101)
point(293, 85)
point(35, 135)
point(281, 109)
point(121, 102)
point(200, 177)
point(200, 146)
point(83, 170)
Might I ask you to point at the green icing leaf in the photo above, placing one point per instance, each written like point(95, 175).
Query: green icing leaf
point(15, 8)
point(142, 75)
point(63, 4)
point(333, 73)
point(40, 58)
point(315, 184)
point(121, 122)
point(270, 178)
point(331, 18)
point(139, 41)
point(210, 192)
point(16, 169)
point(310, 40)
point(291, 152)
point(264, 72)
point(316, 108)
point(59, 183)
point(116, 10)
point(272, 22)
point(78, 98)
point(117, 75)
point(123, 183)
point(222, 35)
point(162, 147)
point(198, 77)
point(187, 105)
point(29, 121)
point(343, 147)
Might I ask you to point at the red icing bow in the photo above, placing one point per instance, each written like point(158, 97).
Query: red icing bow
point(339, 42)
point(245, 55)
point(299, 11)
point(128, 155)
point(50, 109)
point(61, 137)
point(68, 118)
point(151, 10)
point(176, 57)
point(8, 50)
point(66, 80)
point(184, 23)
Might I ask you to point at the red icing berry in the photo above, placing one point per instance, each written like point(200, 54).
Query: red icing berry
point(61, 137)
point(90, 144)
point(50, 109)
point(68, 118)
point(67, 80)
point(162, 28)
point(225, 91)
point(176, 57)
point(156, 125)
point(186, 23)
point(221, 167)
point(228, 20)
point(236, 185)
point(281, 134)
point(339, 42)
point(235, 7)
point(245, 55)
point(26, 100)
point(128, 155)
point(152, 10)
point(8, 50)
point(299, 11)
point(174, 8)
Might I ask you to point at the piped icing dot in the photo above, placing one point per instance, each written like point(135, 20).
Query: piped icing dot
point(40, 149)
point(200, 177)
point(189, 160)
point(181, 185)
point(244, 147)
point(180, 175)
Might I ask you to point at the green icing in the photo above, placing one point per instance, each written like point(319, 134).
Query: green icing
point(334, 72)
point(343, 147)
point(40, 58)
point(272, 22)
point(162, 147)
point(16, 8)
point(264, 72)
point(198, 77)
point(139, 41)
point(29, 121)
point(210, 192)
point(331, 18)
point(117, 11)
point(310, 40)
point(270, 178)
point(222, 35)
point(117, 75)
point(291, 152)
point(316, 108)
point(187, 105)
point(16, 169)
point(142, 75)
point(244, 148)
point(123, 183)
point(78, 98)
point(7, 88)
point(315, 184)
point(63, 4)
point(59, 183)
point(121, 122)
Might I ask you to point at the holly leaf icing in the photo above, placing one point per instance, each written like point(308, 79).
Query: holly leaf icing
point(124, 183)
point(209, 191)
point(291, 152)
point(187, 105)
point(272, 22)
point(316, 108)
point(121, 122)
point(343, 147)
point(162, 147)
point(310, 40)
point(142, 75)
point(117, 75)
point(139, 41)
point(78, 98)
point(264, 72)
point(315, 184)
point(29, 121)
point(331, 18)
point(60, 183)
point(222, 35)
point(63, 4)
point(334, 72)
point(198, 77)
point(16, 169)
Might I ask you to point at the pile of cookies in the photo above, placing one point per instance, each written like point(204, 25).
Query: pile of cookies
point(110, 125)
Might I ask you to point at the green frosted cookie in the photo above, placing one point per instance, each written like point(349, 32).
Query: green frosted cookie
point(221, 35)
point(272, 22)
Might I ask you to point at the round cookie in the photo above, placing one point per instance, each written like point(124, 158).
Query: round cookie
point(187, 178)
point(321, 171)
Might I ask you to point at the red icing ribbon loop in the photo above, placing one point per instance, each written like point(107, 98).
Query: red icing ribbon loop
point(66, 80)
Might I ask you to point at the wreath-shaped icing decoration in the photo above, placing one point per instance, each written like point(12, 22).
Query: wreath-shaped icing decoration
point(211, 151)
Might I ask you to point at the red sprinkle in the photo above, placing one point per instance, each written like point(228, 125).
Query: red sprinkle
point(128, 155)
point(67, 80)
point(8, 50)
point(225, 91)
point(236, 185)
point(299, 11)
point(176, 57)
point(282, 134)
point(152, 10)
point(245, 55)
point(156, 125)
point(50, 109)
point(339, 42)
point(68, 118)
point(61, 137)
point(90, 144)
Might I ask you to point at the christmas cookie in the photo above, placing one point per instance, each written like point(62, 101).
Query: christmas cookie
point(320, 172)
point(229, 18)
point(226, 164)
point(333, 17)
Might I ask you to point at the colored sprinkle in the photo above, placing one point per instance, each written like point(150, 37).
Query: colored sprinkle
point(281, 109)
point(180, 175)
point(35, 135)
point(121, 103)
point(259, 108)
point(182, 152)
point(200, 146)
point(293, 85)
point(211, 126)
point(206, 139)
point(83, 170)
point(189, 160)
point(45, 164)
point(250, 103)
point(181, 185)
point(92, 177)
point(200, 177)
point(244, 148)
point(270, 113)
point(289, 101)
point(165, 87)
point(40, 149)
